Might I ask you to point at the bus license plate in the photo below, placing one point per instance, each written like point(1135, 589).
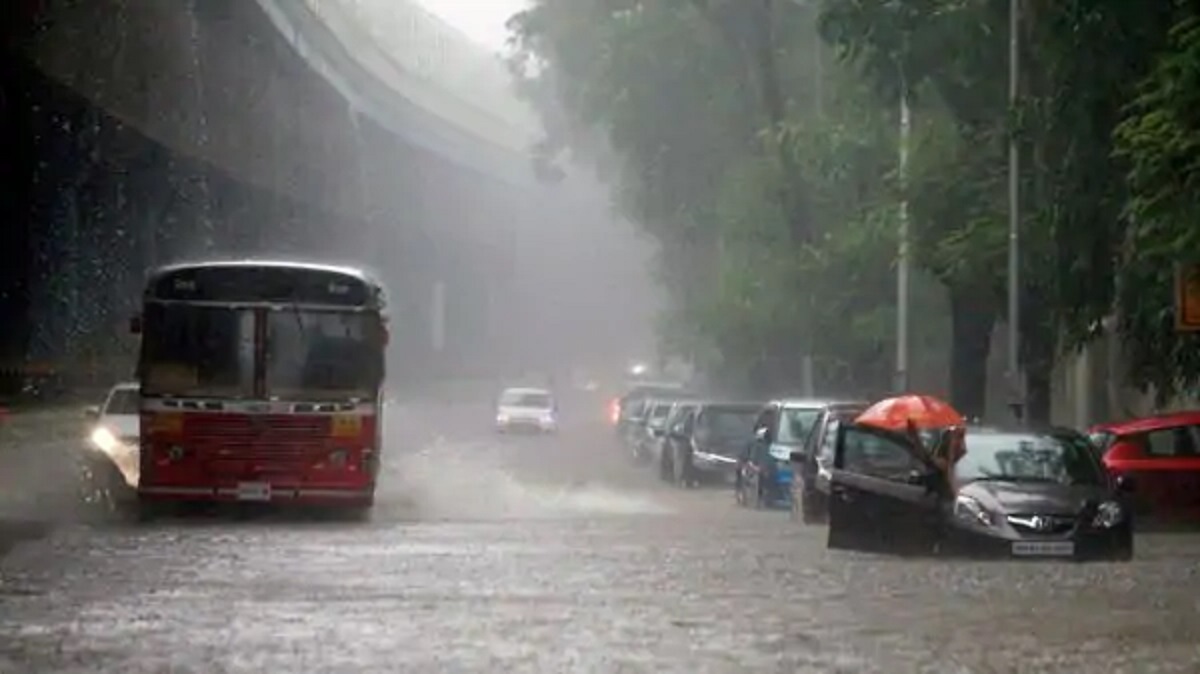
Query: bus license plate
point(254, 491)
point(1043, 548)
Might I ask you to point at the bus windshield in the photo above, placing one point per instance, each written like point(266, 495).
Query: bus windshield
point(197, 351)
point(323, 354)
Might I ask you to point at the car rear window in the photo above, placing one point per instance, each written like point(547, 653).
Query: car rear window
point(526, 399)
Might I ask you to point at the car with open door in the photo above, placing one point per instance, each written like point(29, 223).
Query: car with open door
point(811, 462)
point(1015, 494)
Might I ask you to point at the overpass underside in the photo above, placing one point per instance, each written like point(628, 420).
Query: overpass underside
point(139, 135)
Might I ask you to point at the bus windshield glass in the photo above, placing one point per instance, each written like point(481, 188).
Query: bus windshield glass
point(323, 354)
point(197, 351)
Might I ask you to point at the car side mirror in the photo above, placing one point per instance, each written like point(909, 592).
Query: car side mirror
point(656, 432)
point(760, 435)
point(678, 432)
point(797, 457)
point(91, 412)
point(1125, 484)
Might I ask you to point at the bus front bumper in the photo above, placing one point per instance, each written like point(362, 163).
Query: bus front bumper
point(261, 492)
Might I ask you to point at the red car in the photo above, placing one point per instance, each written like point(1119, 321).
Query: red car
point(1162, 455)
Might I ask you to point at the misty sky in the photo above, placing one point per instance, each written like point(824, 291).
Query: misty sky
point(482, 20)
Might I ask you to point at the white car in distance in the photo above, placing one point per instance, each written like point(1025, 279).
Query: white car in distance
point(526, 409)
point(116, 429)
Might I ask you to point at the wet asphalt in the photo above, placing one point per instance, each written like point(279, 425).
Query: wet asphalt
point(508, 554)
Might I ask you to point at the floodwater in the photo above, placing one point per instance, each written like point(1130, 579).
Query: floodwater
point(551, 554)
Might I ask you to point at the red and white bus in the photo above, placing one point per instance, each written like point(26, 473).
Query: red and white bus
point(261, 382)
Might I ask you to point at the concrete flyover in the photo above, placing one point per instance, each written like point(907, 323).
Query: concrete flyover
point(146, 131)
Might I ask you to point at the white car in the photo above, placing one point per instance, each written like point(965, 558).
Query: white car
point(116, 429)
point(526, 409)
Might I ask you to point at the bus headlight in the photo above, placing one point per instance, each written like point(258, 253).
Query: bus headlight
point(338, 458)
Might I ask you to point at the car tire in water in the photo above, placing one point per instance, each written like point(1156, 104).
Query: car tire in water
point(666, 467)
point(683, 474)
point(812, 508)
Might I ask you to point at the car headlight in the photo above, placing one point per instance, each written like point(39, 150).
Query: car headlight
point(103, 439)
point(502, 418)
point(971, 510)
point(1108, 515)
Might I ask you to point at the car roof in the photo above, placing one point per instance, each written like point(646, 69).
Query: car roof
point(1016, 429)
point(756, 404)
point(1151, 423)
point(525, 389)
point(816, 403)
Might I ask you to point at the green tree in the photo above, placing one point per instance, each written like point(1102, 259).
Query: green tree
point(761, 202)
point(948, 58)
point(1160, 141)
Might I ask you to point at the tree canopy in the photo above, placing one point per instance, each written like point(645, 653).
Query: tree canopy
point(757, 141)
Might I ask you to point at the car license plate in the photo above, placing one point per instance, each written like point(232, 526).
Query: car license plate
point(254, 491)
point(1043, 548)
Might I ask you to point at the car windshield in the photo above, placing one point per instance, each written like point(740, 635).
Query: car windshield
point(795, 424)
point(1015, 457)
point(123, 401)
point(536, 399)
point(197, 351)
point(729, 423)
point(323, 354)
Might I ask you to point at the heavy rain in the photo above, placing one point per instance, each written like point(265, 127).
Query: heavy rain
point(599, 336)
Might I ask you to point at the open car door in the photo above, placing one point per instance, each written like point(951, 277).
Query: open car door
point(884, 493)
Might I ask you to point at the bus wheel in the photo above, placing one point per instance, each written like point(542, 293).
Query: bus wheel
point(359, 513)
point(147, 511)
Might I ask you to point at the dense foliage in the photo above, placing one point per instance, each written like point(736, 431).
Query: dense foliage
point(756, 140)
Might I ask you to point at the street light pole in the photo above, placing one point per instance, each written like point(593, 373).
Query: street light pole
point(902, 266)
point(1014, 218)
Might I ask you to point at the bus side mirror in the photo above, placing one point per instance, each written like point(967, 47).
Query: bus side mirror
point(135, 325)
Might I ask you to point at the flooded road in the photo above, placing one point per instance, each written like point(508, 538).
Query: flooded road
point(504, 554)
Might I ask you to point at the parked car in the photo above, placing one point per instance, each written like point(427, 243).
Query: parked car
point(812, 462)
point(705, 440)
point(1162, 453)
point(1017, 493)
point(680, 416)
point(764, 473)
point(636, 393)
point(652, 429)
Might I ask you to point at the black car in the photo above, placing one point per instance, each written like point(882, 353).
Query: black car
point(813, 460)
point(1016, 494)
point(625, 410)
point(705, 440)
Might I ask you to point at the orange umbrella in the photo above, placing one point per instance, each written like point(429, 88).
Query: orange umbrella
point(894, 414)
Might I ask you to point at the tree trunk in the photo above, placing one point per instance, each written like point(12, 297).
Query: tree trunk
point(971, 328)
point(1037, 395)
